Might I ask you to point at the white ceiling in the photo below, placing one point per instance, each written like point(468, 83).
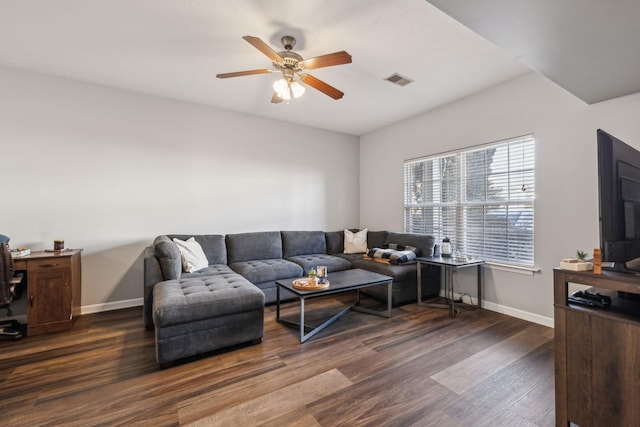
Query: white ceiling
point(174, 49)
point(589, 47)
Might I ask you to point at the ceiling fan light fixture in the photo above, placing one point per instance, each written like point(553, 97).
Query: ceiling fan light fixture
point(281, 86)
point(286, 88)
point(297, 89)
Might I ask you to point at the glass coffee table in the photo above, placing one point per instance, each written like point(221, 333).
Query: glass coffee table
point(339, 282)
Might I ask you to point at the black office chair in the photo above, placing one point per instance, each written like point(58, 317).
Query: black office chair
point(9, 282)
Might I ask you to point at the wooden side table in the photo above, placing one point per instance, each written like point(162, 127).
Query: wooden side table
point(53, 289)
point(450, 266)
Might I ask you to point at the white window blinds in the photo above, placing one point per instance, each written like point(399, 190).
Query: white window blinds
point(481, 198)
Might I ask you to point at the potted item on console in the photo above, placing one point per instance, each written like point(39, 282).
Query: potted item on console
point(445, 249)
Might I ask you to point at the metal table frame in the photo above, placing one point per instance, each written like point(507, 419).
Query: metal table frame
point(307, 331)
point(449, 266)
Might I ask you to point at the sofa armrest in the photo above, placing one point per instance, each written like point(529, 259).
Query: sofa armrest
point(152, 275)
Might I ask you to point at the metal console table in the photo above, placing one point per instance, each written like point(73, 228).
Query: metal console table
point(449, 266)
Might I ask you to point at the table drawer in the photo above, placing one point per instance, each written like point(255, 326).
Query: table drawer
point(20, 264)
point(48, 263)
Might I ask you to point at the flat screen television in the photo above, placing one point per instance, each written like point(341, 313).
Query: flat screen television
point(619, 197)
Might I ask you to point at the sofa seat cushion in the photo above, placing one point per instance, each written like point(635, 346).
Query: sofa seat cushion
point(212, 270)
point(189, 300)
point(350, 257)
point(258, 271)
point(333, 263)
point(398, 272)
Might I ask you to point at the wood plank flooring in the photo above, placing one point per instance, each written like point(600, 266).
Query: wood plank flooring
point(419, 368)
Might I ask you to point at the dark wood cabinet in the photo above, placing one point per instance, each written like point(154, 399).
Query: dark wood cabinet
point(53, 290)
point(597, 352)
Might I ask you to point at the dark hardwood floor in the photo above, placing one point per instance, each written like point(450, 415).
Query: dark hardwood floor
point(419, 368)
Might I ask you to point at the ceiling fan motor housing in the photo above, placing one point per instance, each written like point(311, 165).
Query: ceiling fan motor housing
point(291, 60)
point(288, 42)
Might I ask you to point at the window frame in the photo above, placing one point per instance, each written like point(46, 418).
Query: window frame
point(440, 202)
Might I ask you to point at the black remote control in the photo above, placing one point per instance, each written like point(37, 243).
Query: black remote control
point(590, 299)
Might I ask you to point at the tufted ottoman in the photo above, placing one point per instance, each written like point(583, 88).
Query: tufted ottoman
point(197, 315)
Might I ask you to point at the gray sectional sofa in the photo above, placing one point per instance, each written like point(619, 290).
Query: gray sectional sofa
point(198, 312)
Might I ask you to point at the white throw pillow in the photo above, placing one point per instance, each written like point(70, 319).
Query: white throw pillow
point(355, 243)
point(193, 257)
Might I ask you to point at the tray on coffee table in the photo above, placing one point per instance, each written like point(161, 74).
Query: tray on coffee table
point(308, 284)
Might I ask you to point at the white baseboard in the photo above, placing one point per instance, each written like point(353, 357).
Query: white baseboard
point(108, 306)
point(509, 311)
point(520, 314)
point(89, 309)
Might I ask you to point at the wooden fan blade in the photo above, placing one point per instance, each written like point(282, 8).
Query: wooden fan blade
point(275, 99)
point(243, 73)
point(264, 48)
point(329, 60)
point(321, 86)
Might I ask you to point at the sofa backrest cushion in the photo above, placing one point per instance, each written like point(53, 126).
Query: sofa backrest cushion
point(375, 239)
point(213, 246)
point(334, 241)
point(168, 256)
point(303, 243)
point(421, 241)
point(253, 246)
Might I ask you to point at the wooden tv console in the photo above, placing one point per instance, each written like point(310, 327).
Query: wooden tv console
point(597, 352)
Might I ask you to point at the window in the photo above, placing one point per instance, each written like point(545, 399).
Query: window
point(482, 198)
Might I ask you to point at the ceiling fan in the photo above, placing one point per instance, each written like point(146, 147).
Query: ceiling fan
point(290, 64)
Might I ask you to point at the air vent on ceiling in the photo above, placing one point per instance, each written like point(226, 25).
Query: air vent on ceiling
point(399, 80)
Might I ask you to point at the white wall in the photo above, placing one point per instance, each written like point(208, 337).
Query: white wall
point(566, 211)
point(108, 170)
